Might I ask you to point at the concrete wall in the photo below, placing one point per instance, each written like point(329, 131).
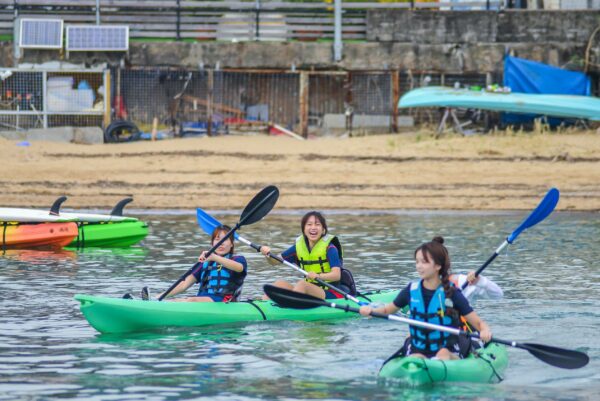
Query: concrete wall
point(433, 27)
point(448, 42)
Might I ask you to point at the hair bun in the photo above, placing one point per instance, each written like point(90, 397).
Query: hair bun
point(438, 239)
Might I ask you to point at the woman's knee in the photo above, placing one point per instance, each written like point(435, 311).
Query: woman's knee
point(445, 354)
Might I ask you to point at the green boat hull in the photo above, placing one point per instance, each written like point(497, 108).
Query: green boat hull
point(110, 235)
point(117, 315)
point(486, 367)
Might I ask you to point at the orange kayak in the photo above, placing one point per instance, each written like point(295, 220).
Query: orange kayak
point(37, 235)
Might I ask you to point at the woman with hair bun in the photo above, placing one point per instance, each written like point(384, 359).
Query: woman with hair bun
point(434, 299)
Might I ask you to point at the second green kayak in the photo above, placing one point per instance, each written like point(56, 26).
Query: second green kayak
point(486, 365)
point(110, 234)
point(117, 315)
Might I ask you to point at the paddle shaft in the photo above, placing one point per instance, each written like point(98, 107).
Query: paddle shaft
point(487, 262)
point(293, 266)
point(424, 325)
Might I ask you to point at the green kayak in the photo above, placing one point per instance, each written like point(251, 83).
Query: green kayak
point(110, 234)
point(117, 315)
point(486, 365)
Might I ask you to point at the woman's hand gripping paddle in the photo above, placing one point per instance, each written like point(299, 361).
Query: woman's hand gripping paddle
point(559, 357)
point(259, 207)
point(209, 223)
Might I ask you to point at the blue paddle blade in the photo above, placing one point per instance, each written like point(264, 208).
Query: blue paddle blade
point(208, 223)
point(542, 211)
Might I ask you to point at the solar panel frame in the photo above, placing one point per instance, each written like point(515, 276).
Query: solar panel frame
point(23, 36)
point(91, 43)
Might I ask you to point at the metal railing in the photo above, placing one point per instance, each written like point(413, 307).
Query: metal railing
point(222, 20)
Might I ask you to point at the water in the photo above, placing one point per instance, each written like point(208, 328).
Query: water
point(49, 352)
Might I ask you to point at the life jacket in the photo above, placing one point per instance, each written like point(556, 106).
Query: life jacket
point(218, 280)
point(427, 340)
point(316, 261)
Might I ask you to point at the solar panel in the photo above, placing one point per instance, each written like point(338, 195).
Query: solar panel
point(97, 38)
point(41, 33)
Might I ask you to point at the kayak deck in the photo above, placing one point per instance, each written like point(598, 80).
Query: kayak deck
point(117, 315)
point(486, 366)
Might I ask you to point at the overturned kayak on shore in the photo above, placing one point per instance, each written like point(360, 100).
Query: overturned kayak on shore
point(52, 235)
point(486, 365)
point(117, 315)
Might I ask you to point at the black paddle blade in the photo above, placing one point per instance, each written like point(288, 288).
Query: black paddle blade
point(260, 205)
point(559, 357)
point(291, 299)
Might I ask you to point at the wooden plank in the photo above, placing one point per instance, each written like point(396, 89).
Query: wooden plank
point(303, 114)
point(395, 98)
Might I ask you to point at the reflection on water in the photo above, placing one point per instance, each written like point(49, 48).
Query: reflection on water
point(48, 351)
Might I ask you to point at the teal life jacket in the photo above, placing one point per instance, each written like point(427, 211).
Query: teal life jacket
point(426, 340)
point(215, 279)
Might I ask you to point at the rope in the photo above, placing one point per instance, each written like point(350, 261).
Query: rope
point(251, 302)
point(495, 373)
point(4, 237)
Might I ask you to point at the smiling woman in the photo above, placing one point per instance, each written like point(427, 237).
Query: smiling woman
point(318, 253)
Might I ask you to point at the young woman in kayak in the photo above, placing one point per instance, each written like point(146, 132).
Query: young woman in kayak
point(220, 275)
point(316, 252)
point(433, 299)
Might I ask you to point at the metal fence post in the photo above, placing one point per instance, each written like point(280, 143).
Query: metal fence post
point(45, 97)
point(209, 101)
point(178, 26)
point(337, 33)
point(257, 20)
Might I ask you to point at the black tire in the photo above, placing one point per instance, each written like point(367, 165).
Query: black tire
point(121, 131)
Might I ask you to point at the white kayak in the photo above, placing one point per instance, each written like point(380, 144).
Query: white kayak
point(54, 215)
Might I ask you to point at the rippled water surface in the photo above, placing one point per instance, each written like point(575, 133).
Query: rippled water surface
point(48, 351)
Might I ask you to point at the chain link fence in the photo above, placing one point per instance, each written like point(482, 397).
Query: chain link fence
point(45, 99)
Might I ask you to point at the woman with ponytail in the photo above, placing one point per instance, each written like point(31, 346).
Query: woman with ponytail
point(434, 299)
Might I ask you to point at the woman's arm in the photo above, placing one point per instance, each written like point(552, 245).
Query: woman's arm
point(183, 286)
point(334, 275)
point(227, 263)
point(387, 309)
point(485, 333)
point(491, 289)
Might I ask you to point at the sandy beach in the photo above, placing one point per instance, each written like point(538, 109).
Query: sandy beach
point(402, 171)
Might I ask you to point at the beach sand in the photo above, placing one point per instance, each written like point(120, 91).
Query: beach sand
point(402, 171)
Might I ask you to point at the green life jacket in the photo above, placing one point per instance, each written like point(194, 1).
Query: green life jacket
point(315, 260)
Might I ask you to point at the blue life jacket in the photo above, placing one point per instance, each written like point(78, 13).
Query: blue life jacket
point(218, 280)
point(422, 339)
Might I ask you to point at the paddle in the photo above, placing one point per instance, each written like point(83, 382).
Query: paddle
point(208, 224)
point(559, 357)
point(259, 207)
point(542, 211)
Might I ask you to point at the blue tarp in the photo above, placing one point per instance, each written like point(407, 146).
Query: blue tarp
point(526, 76)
